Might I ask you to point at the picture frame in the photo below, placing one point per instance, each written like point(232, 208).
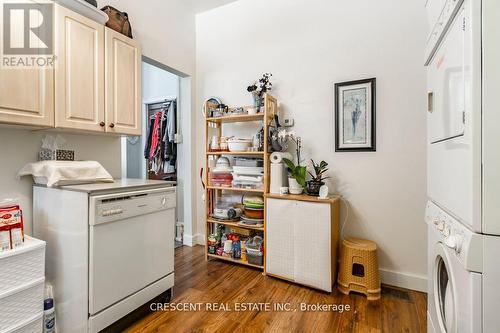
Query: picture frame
point(355, 116)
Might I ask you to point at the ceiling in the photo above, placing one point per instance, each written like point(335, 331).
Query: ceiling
point(204, 5)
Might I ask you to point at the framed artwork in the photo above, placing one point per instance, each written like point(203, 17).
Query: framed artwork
point(355, 116)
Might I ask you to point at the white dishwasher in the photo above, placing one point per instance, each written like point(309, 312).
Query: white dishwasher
point(110, 248)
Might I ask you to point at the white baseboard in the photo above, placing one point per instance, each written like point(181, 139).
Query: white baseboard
point(404, 280)
point(188, 240)
point(200, 239)
point(192, 240)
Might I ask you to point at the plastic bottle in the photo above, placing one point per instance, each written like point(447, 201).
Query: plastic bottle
point(49, 312)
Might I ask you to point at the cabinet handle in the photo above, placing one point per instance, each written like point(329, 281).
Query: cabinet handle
point(102, 124)
point(111, 125)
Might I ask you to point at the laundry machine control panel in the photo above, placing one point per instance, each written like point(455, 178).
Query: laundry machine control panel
point(462, 242)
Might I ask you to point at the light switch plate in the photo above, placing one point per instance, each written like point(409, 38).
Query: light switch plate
point(288, 122)
point(178, 138)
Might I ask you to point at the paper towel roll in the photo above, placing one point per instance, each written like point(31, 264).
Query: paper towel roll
point(277, 157)
point(278, 177)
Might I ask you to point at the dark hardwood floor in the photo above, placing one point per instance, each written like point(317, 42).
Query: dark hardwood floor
point(198, 281)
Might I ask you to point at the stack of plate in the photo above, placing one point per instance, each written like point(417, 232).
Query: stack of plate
point(254, 210)
point(248, 221)
point(248, 177)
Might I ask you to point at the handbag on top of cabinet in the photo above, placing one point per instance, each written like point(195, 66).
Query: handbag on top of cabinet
point(118, 21)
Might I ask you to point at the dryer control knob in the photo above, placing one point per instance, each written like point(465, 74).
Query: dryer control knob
point(454, 242)
point(440, 225)
point(446, 231)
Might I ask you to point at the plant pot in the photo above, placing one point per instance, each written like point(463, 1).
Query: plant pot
point(312, 187)
point(294, 187)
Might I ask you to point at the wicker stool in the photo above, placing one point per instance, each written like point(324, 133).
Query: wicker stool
point(359, 268)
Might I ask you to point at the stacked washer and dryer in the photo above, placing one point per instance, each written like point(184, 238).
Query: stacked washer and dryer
point(463, 131)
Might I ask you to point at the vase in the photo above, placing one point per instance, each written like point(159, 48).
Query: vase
point(258, 102)
point(312, 187)
point(294, 187)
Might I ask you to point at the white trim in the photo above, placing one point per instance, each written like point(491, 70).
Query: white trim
point(192, 240)
point(123, 147)
point(188, 240)
point(200, 239)
point(404, 280)
point(185, 152)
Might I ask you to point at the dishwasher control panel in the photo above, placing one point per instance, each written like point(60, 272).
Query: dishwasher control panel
point(108, 208)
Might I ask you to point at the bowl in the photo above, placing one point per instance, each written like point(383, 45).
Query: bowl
point(296, 190)
point(239, 144)
point(254, 213)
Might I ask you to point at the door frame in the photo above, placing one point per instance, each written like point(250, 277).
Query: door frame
point(185, 151)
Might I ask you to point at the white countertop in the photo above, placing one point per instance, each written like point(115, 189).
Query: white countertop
point(119, 185)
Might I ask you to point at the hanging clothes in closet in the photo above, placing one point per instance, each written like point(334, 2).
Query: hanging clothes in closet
point(160, 149)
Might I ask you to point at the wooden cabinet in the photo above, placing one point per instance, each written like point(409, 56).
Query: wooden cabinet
point(302, 239)
point(27, 96)
point(79, 72)
point(95, 85)
point(27, 93)
point(123, 84)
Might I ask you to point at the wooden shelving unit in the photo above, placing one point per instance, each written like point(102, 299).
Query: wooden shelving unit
point(213, 126)
point(229, 153)
point(234, 224)
point(237, 261)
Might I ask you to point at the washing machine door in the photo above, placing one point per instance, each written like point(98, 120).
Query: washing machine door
point(444, 288)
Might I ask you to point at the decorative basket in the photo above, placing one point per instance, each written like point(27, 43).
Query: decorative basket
point(56, 155)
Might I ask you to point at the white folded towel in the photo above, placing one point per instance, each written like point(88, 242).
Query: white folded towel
point(58, 173)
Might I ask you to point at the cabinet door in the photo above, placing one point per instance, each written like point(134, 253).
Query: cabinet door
point(79, 74)
point(312, 243)
point(27, 96)
point(123, 84)
point(280, 237)
point(27, 93)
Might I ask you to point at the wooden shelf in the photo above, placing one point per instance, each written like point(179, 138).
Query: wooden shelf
point(235, 189)
point(238, 261)
point(237, 118)
point(214, 127)
point(302, 197)
point(236, 153)
point(235, 224)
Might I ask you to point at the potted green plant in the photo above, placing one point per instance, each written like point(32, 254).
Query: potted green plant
point(317, 179)
point(297, 179)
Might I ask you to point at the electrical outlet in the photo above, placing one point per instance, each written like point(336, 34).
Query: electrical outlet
point(288, 122)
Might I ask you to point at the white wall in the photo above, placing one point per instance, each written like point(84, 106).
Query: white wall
point(19, 147)
point(165, 29)
point(308, 46)
point(157, 83)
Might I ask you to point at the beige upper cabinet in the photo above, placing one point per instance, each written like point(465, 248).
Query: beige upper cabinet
point(123, 84)
point(27, 96)
point(95, 85)
point(79, 73)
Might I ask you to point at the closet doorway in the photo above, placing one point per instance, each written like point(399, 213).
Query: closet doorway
point(166, 112)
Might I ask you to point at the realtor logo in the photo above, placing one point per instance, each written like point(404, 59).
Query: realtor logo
point(27, 35)
point(27, 28)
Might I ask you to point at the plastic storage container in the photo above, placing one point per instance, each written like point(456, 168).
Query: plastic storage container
point(22, 265)
point(31, 326)
point(22, 277)
point(255, 258)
